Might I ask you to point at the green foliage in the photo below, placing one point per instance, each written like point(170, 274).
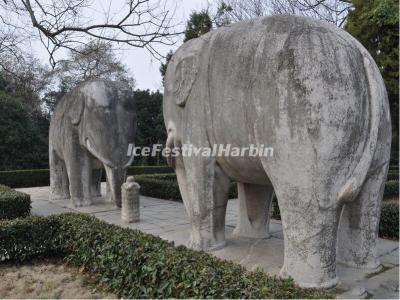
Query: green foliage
point(133, 264)
point(393, 175)
point(13, 204)
point(391, 188)
point(41, 177)
point(26, 238)
point(375, 23)
point(23, 135)
point(163, 186)
point(389, 223)
point(199, 23)
point(150, 123)
point(25, 178)
point(163, 67)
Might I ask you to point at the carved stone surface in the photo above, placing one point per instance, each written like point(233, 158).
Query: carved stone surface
point(91, 128)
point(130, 210)
point(314, 94)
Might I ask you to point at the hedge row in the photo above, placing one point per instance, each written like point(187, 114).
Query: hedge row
point(393, 176)
point(391, 188)
point(133, 264)
point(163, 186)
point(13, 204)
point(41, 177)
point(389, 223)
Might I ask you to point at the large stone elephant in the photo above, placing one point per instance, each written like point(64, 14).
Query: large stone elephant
point(311, 92)
point(91, 128)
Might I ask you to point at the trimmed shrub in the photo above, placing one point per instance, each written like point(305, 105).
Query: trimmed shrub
point(393, 176)
point(137, 170)
point(391, 188)
point(13, 204)
point(41, 177)
point(133, 264)
point(26, 238)
point(389, 223)
point(25, 178)
point(163, 186)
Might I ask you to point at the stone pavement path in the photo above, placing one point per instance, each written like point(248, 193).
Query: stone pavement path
point(169, 220)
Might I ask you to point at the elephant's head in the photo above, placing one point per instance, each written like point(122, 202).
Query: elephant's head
point(105, 115)
point(180, 81)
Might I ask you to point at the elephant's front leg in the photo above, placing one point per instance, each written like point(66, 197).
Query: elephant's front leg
point(87, 178)
point(204, 188)
point(79, 175)
point(253, 210)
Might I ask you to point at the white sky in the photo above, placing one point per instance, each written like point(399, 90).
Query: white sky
point(144, 68)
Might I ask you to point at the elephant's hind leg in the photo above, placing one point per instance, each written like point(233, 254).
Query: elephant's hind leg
point(309, 219)
point(58, 178)
point(254, 210)
point(359, 225)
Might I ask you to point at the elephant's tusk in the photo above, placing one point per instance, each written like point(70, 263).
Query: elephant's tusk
point(129, 161)
point(97, 155)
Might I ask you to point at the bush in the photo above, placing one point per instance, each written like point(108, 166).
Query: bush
point(13, 204)
point(41, 177)
point(393, 175)
point(137, 170)
point(25, 178)
point(391, 188)
point(163, 186)
point(389, 224)
point(133, 264)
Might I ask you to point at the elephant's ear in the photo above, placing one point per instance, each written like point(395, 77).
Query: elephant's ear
point(185, 76)
point(76, 106)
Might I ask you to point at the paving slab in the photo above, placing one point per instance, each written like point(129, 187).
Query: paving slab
point(169, 220)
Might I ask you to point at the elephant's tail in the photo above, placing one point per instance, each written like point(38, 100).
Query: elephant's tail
point(377, 95)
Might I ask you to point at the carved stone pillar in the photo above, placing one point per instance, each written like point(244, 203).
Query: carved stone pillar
point(130, 209)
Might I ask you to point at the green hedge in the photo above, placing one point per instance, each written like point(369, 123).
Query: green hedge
point(389, 223)
point(133, 264)
point(391, 188)
point(163, 186)
point(393, 176)
point(25, 178)
point(41, 177)
point(13, 204)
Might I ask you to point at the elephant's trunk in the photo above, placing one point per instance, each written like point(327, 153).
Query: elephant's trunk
point(115, 178)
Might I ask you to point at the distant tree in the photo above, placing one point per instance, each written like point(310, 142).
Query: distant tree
point(96, 60)
point(151, 128)
point(23, 135)
point(333, 11)
point(26, 79)
point(375, 23)
point(164, 65)
point(199, 23)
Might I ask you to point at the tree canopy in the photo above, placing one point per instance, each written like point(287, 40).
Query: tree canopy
point(375, 23)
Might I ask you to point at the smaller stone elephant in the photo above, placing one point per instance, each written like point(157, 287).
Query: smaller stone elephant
point(91, 128)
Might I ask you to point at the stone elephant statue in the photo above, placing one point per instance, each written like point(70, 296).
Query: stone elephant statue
point(91, 128)
point(314, 94)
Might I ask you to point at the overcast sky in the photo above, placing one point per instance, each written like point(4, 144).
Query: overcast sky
point(143, 66)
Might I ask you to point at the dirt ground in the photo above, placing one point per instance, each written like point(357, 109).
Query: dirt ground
point(47, 279)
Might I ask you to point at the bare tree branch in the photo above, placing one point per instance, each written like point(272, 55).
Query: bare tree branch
point(333, 11)
point(64, 23)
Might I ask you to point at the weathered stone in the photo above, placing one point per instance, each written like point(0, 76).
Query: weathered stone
point(130, 210)
point(91, 128)
point(314, 94)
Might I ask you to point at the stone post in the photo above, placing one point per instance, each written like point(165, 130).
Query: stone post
point(130, 211)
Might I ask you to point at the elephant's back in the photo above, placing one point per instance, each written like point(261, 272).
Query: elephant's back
point(291, 83)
